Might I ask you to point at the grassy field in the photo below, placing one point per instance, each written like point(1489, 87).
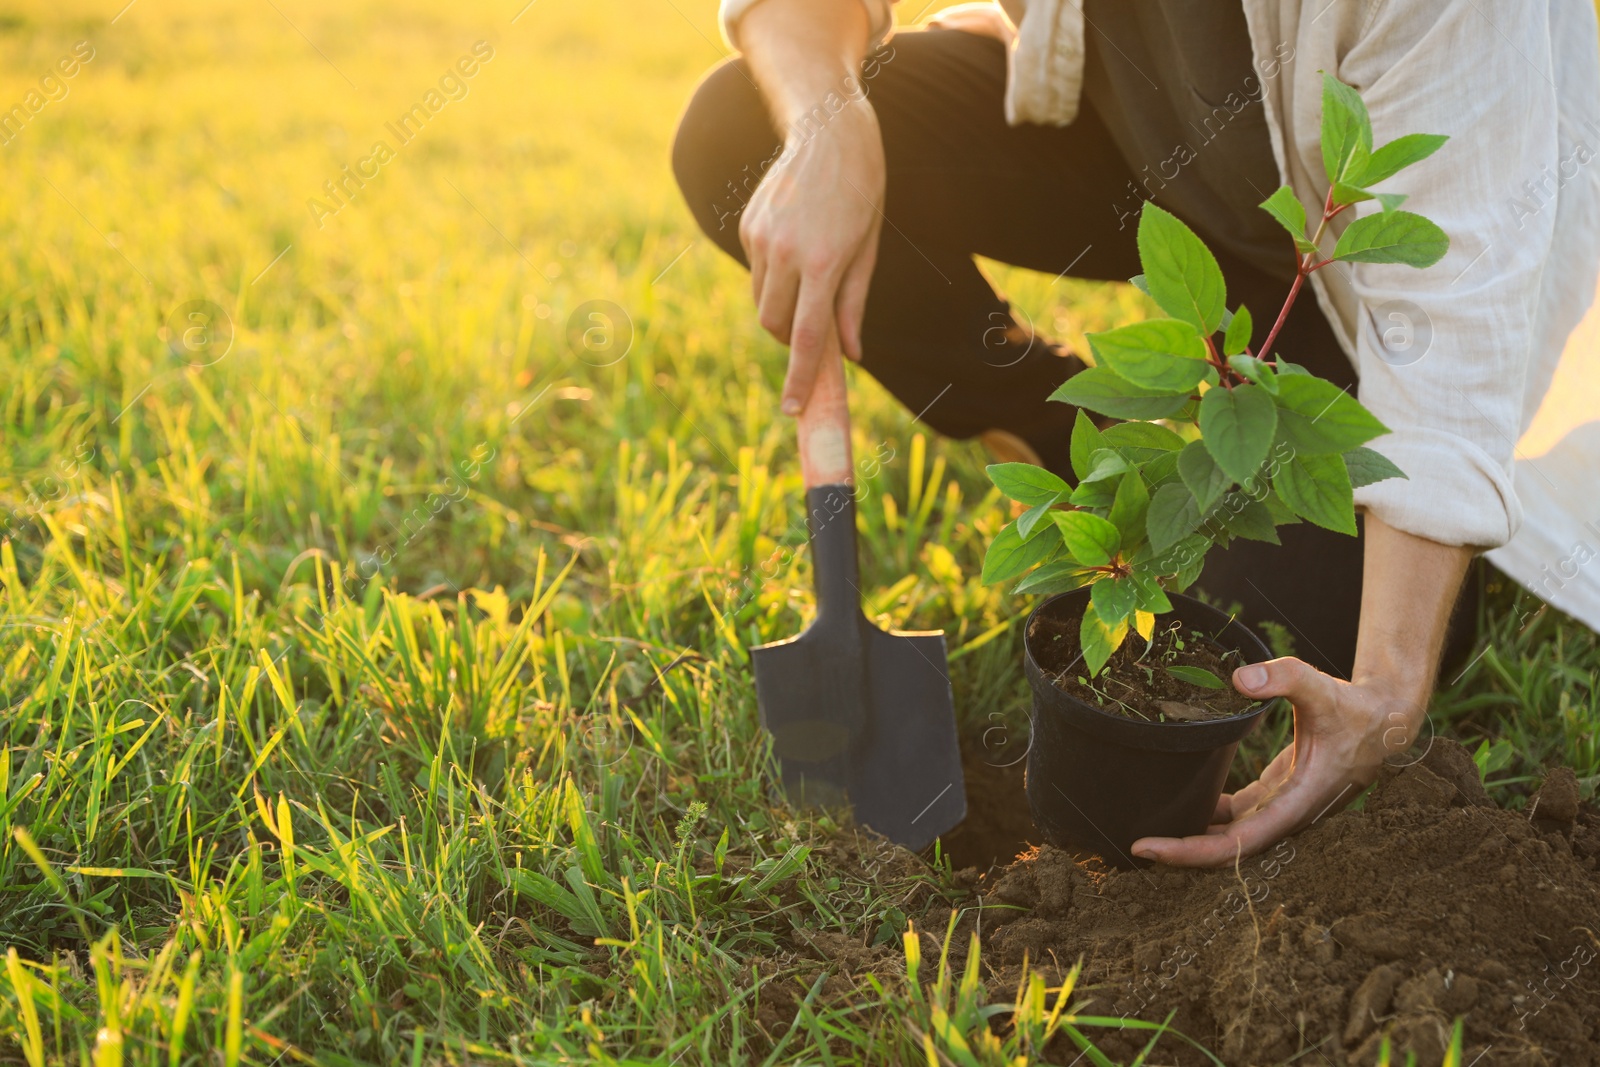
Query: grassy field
point(373, 648)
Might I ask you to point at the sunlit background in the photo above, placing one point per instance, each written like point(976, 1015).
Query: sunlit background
point(375, 613)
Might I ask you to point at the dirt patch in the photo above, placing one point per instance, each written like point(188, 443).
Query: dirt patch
point(998, 827)
point(1142, 680)
point(1430, 904)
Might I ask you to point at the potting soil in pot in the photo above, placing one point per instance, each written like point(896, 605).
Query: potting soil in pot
point(1141, 682)
point(1430, 903)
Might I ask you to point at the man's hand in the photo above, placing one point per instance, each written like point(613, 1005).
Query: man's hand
point(811, 229)
point(1342, 730)
point(811, 232)
point(1342, 733)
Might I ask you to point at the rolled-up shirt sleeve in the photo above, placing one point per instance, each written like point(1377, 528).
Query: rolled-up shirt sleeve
point(880, 15)
point(1443, 352)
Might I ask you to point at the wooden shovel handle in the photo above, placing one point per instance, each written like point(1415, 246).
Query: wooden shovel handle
point(825, 426)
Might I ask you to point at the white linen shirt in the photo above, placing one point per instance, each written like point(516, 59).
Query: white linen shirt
point(1458, 359)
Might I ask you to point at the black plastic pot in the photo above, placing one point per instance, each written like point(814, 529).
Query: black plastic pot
point(1098, 782)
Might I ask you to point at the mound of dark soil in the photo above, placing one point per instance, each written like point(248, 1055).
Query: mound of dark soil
point(1429, 904)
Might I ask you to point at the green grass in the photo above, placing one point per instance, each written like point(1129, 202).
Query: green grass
point(378, 693)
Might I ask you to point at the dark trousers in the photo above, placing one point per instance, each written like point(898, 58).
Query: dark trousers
point(1060, 200)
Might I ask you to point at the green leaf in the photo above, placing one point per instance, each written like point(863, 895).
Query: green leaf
point(1249, 519)
point(1253, 370)
point(1360, 155)
point(1161, 469)
point(1094, 494)
point(1152, 597)
point(1160, 354)
point(1349, 194)
point(1366, 466)
point(1104, 464)
point(1278, 510)
point(1091, 540)
point(1237, 339)
point(1317, 418)
point(1028, 521)
point(1173, 515)
point(1086, 441)
point(1113, 599)
point(1392, 237)
point(1318, 489)
point(1103, 390)
point(1139, 282)
point(1009, 555)
point(1182, 564)
point(1284, 206)
point(1237, 426)
point(1129, 508)
point(1026, 483)
point(1205, 480)
point(1345, 194)
point(1182, 274)
point(1098, 640)
point(1495, 757)
point(1140, 442)
point(1062, 576)
point(1346, 130)
point(1167, 561)
point(1197, 676)
point(1399, 154)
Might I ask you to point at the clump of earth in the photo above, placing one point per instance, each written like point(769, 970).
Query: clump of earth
point(1429, 904)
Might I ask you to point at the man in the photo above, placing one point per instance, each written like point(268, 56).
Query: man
point(1033, 135)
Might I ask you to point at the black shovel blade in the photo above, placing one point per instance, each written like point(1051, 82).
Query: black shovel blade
point(876, 731)
point(859, 715)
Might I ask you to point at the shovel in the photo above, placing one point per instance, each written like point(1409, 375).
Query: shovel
point(858, 716)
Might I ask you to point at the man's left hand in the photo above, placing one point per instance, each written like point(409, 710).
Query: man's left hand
point(1342, 732)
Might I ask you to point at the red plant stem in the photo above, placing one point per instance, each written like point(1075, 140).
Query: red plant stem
point(1215, 359)
point(1303, 269)
point(1272, 335)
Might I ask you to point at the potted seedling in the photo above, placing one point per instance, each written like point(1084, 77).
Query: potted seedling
point(1134, 721)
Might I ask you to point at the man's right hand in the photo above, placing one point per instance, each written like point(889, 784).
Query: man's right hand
point(811, 232)
point(811, 229)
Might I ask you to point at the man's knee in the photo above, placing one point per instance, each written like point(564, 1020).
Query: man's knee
point(723, 146)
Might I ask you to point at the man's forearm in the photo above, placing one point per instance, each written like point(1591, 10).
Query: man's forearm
point(1408, 590)
point(803, 50)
